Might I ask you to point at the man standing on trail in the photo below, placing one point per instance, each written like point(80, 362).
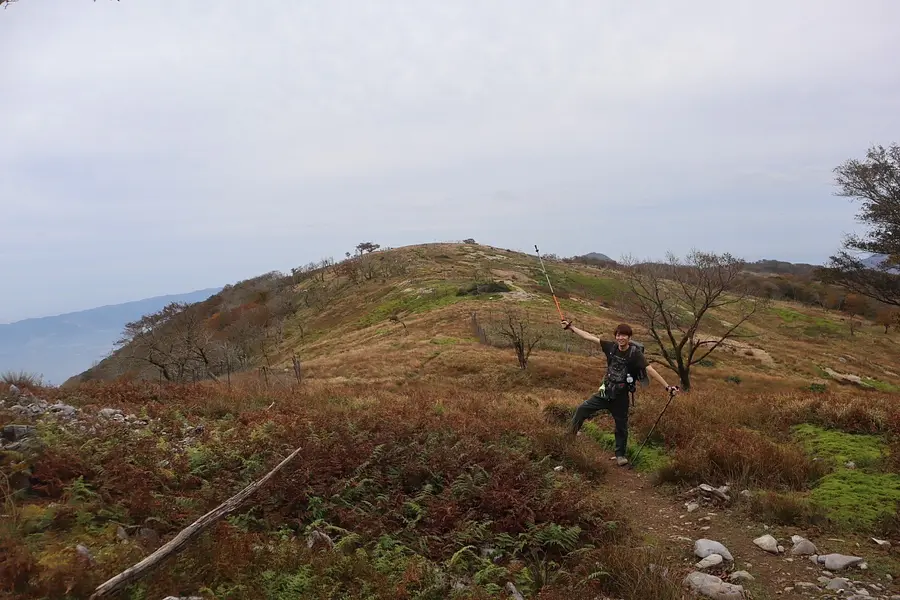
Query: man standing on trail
point(622, 359)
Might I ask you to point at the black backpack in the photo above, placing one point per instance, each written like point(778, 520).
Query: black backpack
point(640, 376)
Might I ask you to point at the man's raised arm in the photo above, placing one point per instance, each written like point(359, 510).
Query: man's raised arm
point(580, 333)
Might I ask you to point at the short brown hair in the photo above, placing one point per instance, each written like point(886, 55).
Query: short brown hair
point(624, 328)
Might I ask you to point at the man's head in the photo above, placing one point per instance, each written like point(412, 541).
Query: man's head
point(623, 334)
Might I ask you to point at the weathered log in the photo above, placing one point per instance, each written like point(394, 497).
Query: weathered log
point(176, 544)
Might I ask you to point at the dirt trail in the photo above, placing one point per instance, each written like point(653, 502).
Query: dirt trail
point(667, 524)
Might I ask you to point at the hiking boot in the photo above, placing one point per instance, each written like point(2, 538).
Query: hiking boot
point(621, 461)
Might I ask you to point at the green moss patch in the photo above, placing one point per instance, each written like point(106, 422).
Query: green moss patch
point(854, 499)
point(857, 500)
point(841, 447)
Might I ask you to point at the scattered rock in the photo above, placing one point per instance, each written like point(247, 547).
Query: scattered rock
point(691, 506)
point(85, 554)
point(710, 561)
point(803, 546)
point(704, 547)
point(64, 410)
point(109, 413)
point(882, 543)
point(850, 464)
point(713, 587)
point(558, 468)
point(14, 433)
point(740, 577)
point(513, 591)
point(767, 543)
point(838, 562)
point(805, 586)
point(14, 390)
point(747, 494)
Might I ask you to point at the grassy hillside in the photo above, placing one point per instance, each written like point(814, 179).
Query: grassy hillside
point(431, 465)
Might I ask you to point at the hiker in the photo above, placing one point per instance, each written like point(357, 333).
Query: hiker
point(623, 358)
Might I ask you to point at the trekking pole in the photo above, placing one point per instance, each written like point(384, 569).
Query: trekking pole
point(671, 395)
point(558, 309)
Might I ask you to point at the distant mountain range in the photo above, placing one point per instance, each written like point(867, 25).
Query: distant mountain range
point(61, 346)
point(875, 260)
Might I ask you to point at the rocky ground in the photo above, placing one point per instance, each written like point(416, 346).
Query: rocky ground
point(726, 557)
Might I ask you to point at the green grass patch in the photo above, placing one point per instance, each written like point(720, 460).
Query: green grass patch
point(411, 303)
point(808, 325)
point(445, 341)
point(789, 315)
point(881, 386)
point(857, 500)
point(838, 446)
point(580, 284)
point(651, 459)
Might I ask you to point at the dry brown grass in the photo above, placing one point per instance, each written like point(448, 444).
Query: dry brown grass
point(426, 466)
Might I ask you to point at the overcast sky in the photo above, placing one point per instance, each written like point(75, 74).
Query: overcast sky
point(149, 148)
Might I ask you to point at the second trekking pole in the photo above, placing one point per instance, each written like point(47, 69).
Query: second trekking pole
point(671, 395)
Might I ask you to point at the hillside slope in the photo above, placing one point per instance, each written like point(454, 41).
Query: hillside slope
point(390, 303)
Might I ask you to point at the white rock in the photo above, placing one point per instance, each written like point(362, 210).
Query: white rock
point(767, 543)
point(838, 583)
point(710, 561)
point(740, 577)
point(882, 543)
point(711, 586)
point(691, 506)
point(704, 547)
point(838, 562)
point(803, 546)
point(805, 585)
point(558, 468)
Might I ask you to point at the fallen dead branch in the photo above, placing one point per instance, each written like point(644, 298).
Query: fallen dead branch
point(135, 572)
point(704, 490)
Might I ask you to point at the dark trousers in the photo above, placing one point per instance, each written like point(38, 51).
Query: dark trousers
point(618, 408)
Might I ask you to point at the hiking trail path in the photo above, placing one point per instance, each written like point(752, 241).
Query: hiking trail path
point(667, 524)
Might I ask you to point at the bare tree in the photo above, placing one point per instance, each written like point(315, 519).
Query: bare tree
point(876, 183)
point(146, 341)
point(514, 327)
point(673, 301)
